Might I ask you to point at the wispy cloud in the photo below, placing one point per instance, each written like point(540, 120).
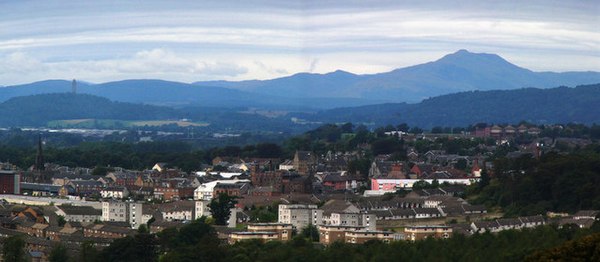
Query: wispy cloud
point(188, 41)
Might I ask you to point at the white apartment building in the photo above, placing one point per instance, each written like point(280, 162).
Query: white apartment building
point(354, 219)
point(300, 216)
point(201, 209)
point(130, 212)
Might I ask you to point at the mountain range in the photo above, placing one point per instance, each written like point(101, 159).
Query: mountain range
point(457, 72)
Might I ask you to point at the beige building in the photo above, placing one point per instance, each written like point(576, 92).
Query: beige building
point(360, 237)
point(262, 236)
point(284, 231)
point(329, 233)
point(414, 233)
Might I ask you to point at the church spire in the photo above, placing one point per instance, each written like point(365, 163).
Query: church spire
point(39, 158)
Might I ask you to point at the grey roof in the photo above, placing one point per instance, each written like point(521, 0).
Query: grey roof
point(587, 213)
point(509, 221)
point(86, 183)
point(80, 210)
point(426, 211)
point(40, 187)
point(486, 224)
point(403, 212)
point(73, 176)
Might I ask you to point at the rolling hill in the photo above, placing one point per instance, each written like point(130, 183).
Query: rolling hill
point(176, 94)
point(37, 110)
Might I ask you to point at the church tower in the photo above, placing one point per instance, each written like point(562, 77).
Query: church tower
point(74, 86)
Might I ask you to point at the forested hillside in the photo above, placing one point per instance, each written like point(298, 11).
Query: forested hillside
point(543, 106)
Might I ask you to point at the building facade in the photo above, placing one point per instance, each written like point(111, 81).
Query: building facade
point(300, 216)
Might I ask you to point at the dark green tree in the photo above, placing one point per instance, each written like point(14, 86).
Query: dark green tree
point(88, 253)
point(58, 254)
point(220, 208)
point(61, 221)
point(13, 249)
point(461, 164)
point(310, 232)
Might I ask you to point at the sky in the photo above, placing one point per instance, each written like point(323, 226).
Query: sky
point(188, 41)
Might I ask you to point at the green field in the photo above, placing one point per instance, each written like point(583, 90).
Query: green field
point(111, 123)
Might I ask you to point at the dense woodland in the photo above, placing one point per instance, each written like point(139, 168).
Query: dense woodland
point(555, 182)
point(553, 105)
point(37, 110)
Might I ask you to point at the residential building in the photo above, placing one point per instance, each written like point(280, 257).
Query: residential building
point(201, 209)
point(106, 231)
point(206, 190)
point(130, 212)
point(135, 214)
point(178, 210)
point(262, 236)
point(361, 236)
point(79, 213)
point(117, 192)
point(284, 231)
point(330, 233)
point(236, 189)
point(414, 233)
point(507, 223)
point(300, 215)
point(344, 213)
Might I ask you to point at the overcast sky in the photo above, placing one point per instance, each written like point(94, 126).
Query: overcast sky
point(100, 41)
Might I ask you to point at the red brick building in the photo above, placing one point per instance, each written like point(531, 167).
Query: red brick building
point(10, 182)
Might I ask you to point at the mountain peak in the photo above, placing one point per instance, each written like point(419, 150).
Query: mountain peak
point(464, 57)
point(462, 51)
point(340, 72)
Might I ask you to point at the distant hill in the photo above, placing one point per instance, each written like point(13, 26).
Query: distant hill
point(85, 111)
point(37, 110)
point(176, 94)
point(460, 71)
point(555, 105)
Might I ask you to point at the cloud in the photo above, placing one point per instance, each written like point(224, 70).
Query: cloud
point(19, 63)
point(270, 70)
point(313, 65)
point(189, 41)
point(220, 69)
point(19, 67)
